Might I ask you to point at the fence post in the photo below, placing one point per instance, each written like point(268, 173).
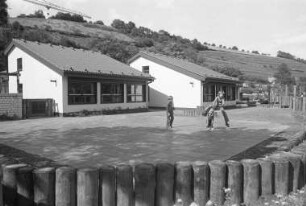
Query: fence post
point(183, 182)
point(281, 175)
point(25, 186)
point(65, 186)
point(217, 181)
point(251, 180)
point(44, 186)
point(108, 185)
point(294, 98)
point(266, 176)
point(304, 104)
point(9, 183)
point(145, 184)
point(294, 170)
point(124, 176)
point(235, 181)
point(87, 187)
point(302, 155)
point(164, 184)
point(200, 182)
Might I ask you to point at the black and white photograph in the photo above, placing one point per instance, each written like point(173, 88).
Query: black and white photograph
point(152, 102)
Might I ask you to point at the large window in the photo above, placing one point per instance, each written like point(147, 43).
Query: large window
point(112, 93)
point(82, 92)
point(136, 93)
point(210, 91)
point(19, 64)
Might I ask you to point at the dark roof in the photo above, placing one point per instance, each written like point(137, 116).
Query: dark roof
point(184, 67)
point(68, 60)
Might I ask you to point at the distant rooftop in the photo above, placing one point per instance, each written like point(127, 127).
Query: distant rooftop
point(183, 66)
point(69, 60)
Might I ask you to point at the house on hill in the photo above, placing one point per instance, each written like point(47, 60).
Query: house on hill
point(190, 85)
point(74, 79)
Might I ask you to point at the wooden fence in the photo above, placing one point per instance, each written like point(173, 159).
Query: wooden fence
point(162, 184)
point(297, 104)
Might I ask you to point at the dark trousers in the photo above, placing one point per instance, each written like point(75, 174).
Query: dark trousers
point(171, 118)
point(226, 119)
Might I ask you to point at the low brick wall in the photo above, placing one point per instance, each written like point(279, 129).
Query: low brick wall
point(11, 105)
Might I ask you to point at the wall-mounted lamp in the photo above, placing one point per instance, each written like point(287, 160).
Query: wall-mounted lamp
point(192, 84)
point(54, 81)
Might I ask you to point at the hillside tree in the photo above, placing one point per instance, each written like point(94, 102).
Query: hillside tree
point(283, 75)
point(4, 32)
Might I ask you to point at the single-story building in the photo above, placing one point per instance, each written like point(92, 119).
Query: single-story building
point(190, 85)
point(75, 79)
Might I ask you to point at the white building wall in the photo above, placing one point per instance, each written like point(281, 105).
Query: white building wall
point(169, 82)
point(35, 78)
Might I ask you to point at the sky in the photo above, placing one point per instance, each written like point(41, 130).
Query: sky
point(264, 25)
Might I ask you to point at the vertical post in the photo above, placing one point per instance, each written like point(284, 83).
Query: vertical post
point(294, 170)
point(235, 176)
point(266, 176)
point(98, 92)
point(25, 186)
point(281, 180)
point(124, 176)
point(294, 98)
point(44, 186)
point(286, 90)
point(304, 104)
point(108, 185)
point(217, 181)
point(145, 184)
point(65, 186)
point(125, 93)
point(87, 187)
point(200, 182)
point(251, 181)
point(164, 184)
point(183, 182)
point(9, 183)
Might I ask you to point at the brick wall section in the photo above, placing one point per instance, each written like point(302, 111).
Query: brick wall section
point(11, 105)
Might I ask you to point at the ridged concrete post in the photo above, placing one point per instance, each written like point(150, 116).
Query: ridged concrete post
point(145, 184)
point(251, 181)
point(124, 176)
point(87, 187)
point(201, 182)
point(235, 183)
point(25, 192)
point(164, 184)
point(294, 170)
point(183, 183)
point(65, 186)
point(108, 185)
point(9, 184)
point(281, 180)
point(44, 186)
point(217, 181)
point(302, 156)
point(267, 172)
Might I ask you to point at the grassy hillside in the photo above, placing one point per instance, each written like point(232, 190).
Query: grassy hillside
point(251, 64)
point(125, 41)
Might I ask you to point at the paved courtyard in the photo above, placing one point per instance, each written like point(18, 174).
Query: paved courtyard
point(96, 140)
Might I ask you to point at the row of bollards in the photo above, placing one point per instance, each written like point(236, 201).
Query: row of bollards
point(161, 184)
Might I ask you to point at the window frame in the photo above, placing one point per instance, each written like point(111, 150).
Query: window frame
point(19, 64)
point(83, 95)
point(121, 85)
point(135, 95)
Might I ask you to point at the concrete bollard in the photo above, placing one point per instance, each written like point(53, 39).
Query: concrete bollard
point(124, 176)
point(235, 176)
point(183, 183)
point(108, 185)
point(44, 186)
point(251, 181)
point(9, 183)
point(65, 186)
point(144, 184)
point(281, 177)
point(164, 184)
point(201, 182)
point(302, 156)
point(294, 170)
point(25, 193)
point(87, 187)
point(267, 171)
point(217, 181)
